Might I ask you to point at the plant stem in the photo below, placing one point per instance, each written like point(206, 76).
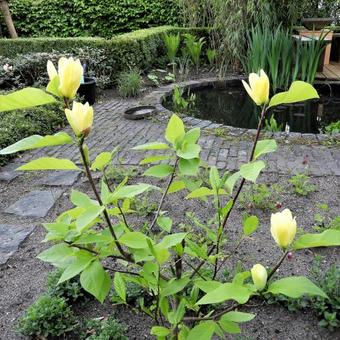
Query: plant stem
point(164, 195)
point(277, 266)
point(237, 193)
point(94, 189)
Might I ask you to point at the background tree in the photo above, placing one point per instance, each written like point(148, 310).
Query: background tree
point(4, 7)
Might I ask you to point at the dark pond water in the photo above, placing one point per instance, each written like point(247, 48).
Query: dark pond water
point(233, 107)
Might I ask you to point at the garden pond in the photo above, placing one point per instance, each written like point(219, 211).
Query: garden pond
point(230, 105)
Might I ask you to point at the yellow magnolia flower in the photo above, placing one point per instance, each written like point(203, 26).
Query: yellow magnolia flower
point(80, 118)
point(70, 73)
point(259, 276)
point(258, 88)
point(283, 228)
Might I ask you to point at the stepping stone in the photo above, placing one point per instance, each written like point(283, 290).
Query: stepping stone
point(11, 237)
point(35, 204)
point(60, 178)
point(8, 173)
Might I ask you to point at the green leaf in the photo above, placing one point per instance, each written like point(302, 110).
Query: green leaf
point(200, 192)
point(59, 255)
point(160, 331)
point(250, 225)
point(53, 86)
point(153, 159)
point(295, 287)
point(119, 285)
point(164, 223)
point(214, 178)
point(49, 163)
point(130, 191)
point(152, 146)
point(203, 331)
point(175, 129)
point(80, 199)
point(101, 161)
point(135, 240)
point(207, 285)
point(231, 181)
point(189, 151)
point(36, 141)
point(176, 186)
point(23, 99)
point(189, 167)
point(226, 292)
point(96, 281)
point(265, 146)
point(327, 238)
point(251, 171)
point(299, 91)
point(229, 326)
point(88, 216)
point(226, 209)
point(81, 262)
point(172, 240)
point(174, 286)
point(238, 317)
point(192, 136)
point(159, 171)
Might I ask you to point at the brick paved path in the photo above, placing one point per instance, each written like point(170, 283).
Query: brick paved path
point(109, 130)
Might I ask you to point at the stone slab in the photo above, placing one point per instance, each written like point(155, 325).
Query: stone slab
point(8, 173)
point(37, 203)
point(60, 178)
point(10, 239)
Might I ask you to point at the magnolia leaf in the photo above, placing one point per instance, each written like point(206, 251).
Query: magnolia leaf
point(330, 237)
point(152, 146)
point(203, 331)
point(189, 167)
point(23, 99)
point(192, 136)
point(82, 200)
point(189, 151)
point(119, 285)
point(135, 240)
point(226, 291)
point(207, 285)
point(101, 161)
point(164, 223)
point(251, 171)
point(160, 331)
point(250, 225)
point(88, 216)
point(295, 287)
point(176, 186)
point(231, 181)
point(265, 146)
point(200, 192)
point(49, 163)
point(175, 129)
point(95, 280)
point(229, 326)
point(299, 91)
point(58, 255)
point(214, 178)
point(130, 191)
point(174, 286)
point(172, 240)
point(36, 141)
point(238, 317)
point(153, 159)
point(159, 171)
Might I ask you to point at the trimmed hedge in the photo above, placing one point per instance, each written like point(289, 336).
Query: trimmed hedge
point(142, 49)
point(103, 18)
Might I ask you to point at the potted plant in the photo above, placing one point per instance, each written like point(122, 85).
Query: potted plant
point(87, 89)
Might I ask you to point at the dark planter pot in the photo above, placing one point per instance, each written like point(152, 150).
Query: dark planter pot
point(316, 24)
point(87, 90)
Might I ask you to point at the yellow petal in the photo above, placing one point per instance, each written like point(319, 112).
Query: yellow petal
point(259, 276)
point(51, 70)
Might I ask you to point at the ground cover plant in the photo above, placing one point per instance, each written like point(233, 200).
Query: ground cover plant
point(180, 268)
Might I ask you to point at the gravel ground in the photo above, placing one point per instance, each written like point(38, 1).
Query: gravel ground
point(23, 278)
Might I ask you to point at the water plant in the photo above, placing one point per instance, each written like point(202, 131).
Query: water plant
point(194, 46)
point(211, 55)
point(172, 42)
point(178, 269)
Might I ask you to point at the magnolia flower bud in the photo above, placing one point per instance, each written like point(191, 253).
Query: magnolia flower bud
point(259, 276)
point(258, 88)
point(283, 228)
point(70, 73)
point(80, 118)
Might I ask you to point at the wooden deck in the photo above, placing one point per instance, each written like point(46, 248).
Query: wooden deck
point(331, 72)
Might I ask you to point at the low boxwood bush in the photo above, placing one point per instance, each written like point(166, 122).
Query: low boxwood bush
point(16, 125)
point(48, 316)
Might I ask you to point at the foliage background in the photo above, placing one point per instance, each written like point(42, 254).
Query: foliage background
point(103, 18)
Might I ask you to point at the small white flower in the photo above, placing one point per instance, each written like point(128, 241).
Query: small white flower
point(7, 68)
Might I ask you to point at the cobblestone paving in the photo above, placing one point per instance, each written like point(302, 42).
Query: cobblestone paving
point(110, 130)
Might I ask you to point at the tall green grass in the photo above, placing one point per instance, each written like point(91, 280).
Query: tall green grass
point(283, 59)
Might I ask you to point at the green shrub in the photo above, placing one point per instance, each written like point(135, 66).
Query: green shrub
point(107, 329)
point(48, 316)
point(69, 290)
point(333, 128)
point(129, 83)
point(301, 184)
point(16, 125)
point(77, 18)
